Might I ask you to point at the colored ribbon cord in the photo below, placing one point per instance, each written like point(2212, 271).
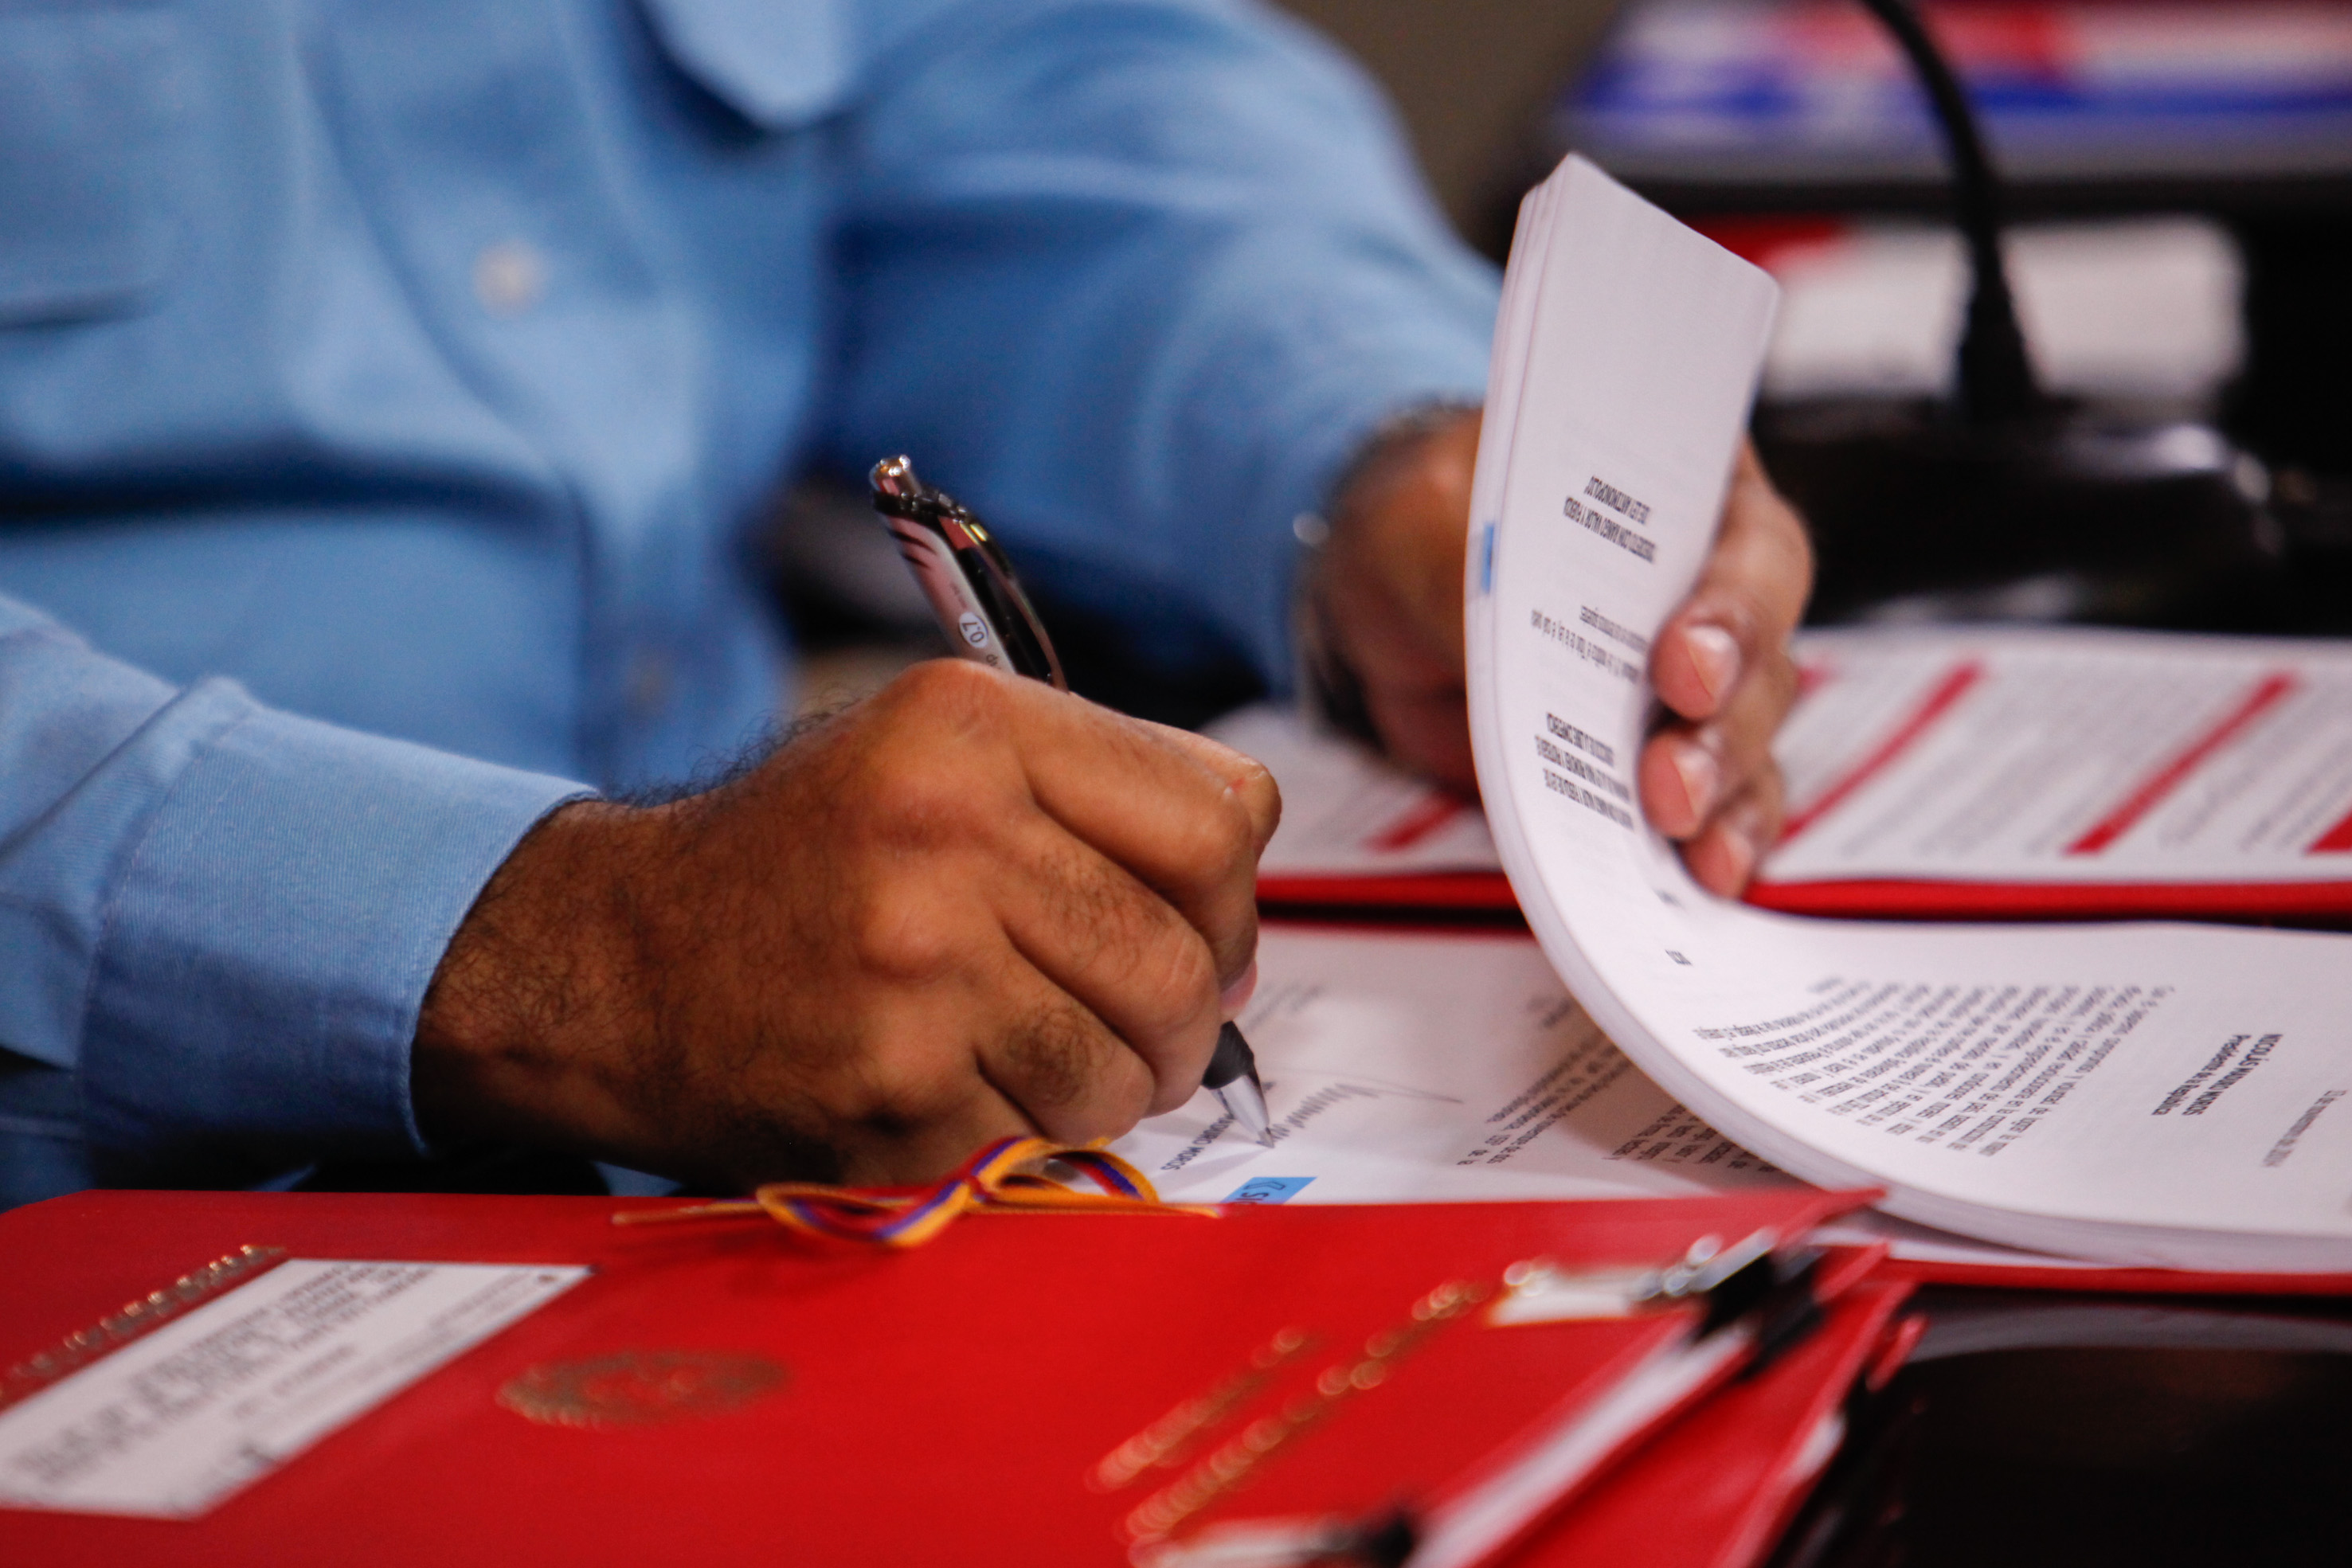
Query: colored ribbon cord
point(1010, 1173)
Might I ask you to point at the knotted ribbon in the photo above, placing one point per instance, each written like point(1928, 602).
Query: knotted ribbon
point(1007, 1174)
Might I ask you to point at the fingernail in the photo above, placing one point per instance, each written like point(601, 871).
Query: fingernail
point(1700, 775)
point(1235, 997)
point(1715, 654)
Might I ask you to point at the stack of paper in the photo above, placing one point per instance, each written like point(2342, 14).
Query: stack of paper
point(2138, 1094)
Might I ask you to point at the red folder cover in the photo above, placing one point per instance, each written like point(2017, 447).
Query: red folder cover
point(2313, 903)
point(957, 1401)
point(2324, 904)
point(1451, 892)
point(1715, 1489)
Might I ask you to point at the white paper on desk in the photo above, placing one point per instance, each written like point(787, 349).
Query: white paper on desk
point(1414, 1068)
point(172, 1423)
point(2143, 1093)
point(2067, 756)
point(1347, 811)
point(1453, 1067)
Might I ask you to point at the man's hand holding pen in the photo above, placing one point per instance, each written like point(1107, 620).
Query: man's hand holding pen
point(975, 905)
point(970, 906)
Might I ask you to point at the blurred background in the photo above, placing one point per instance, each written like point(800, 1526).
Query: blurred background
point(2178, 178)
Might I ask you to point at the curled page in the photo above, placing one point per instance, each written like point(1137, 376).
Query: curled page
point(2153, 1094)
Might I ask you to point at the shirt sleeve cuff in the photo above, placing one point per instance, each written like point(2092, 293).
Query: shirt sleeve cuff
point(1332, 424)
point(269, 943)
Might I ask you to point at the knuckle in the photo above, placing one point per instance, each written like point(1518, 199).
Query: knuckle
point(1220, 839)
point(1742, 612)
point(1193, 848)
point(1176, 984)
point(898, 1094)
point(952, 705)
point(899, 934)
point(930, 792)
point(951, 686)
point(1100, 912)
point(1260, 797)
point(909, 802)
point(891, 1078)
point(1056, 1058)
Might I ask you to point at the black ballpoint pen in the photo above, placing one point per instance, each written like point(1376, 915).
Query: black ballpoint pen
point(969, 580)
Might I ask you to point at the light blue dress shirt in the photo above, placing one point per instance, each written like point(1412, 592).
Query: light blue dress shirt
point(388, 389)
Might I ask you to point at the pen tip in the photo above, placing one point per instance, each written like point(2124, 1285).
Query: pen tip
point(1245, 1102)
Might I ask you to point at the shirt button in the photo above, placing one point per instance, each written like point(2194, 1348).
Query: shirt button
point(508, 277)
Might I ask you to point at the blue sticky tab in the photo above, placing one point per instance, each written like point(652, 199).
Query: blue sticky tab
point(1486, 560)
point(1268, 1189)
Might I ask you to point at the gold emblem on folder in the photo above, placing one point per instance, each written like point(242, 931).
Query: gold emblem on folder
point(640, 1387)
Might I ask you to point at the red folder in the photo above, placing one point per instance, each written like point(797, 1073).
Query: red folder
point(2325, 905)
point(1446, 892)
point(1715, 1489)
point(2322, 905)
point(955, 1402)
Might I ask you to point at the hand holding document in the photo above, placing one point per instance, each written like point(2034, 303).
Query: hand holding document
point(2139, 1093)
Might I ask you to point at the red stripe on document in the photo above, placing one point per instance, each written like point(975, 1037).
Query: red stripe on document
point(2335, 840)
point(1936, 704)
point(2271, 691)
point(1417, 824)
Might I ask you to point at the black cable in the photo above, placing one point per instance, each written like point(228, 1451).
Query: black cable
point(1996, 380)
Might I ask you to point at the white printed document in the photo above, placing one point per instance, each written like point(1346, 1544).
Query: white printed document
point(1409, 1067)
point(173, 1422)
point(2003, 770)
point(2139, 1094)
point(1453, 1067)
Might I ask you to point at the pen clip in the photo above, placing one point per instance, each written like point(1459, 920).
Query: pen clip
point(966, 574)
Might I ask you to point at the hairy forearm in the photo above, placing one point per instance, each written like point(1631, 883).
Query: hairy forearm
point(544, 980)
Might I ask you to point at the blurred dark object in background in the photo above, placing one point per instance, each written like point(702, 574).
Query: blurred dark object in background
point(2046, 1431)
point(1921, 517)
point(2117, 504)
point(2089, 105)
point(2293, 402)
